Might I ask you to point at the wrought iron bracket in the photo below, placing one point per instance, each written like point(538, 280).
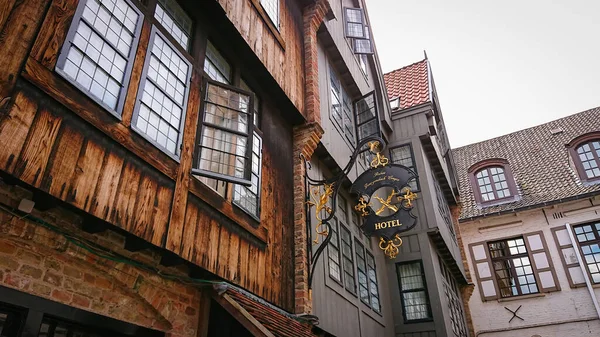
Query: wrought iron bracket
point(334, 184)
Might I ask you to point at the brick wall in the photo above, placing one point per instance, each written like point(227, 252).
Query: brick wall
point(41, 262)
point(306, 139)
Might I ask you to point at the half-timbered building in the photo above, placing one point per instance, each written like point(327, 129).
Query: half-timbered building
point(147, 164)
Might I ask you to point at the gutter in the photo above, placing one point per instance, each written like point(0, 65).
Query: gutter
point(538, 325)
point(526, 208)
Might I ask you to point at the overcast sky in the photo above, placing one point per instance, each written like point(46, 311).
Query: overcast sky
point(499, 66)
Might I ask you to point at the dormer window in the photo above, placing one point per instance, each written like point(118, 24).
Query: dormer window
point(493, 182)
point(585, 151)
point(395, 103)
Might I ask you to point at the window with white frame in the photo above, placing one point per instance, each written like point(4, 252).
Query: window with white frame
point(98, 53)
point(272, 9)
point(159, 114)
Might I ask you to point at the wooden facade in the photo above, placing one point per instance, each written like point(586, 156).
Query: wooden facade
point(60, 143)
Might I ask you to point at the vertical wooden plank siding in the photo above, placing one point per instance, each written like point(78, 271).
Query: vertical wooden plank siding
point(87, 171)
point(106, 190)
point(16, 38)
point(63, 162)
point(51, 38)
point(280, 62)
point(32, 161)
point(14, 128)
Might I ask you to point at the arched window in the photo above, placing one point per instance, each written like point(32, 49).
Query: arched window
point(492, 181)
point(585, 151)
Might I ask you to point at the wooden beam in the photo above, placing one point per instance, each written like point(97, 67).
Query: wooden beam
point(44, 201)
point(241, 315)
point(204, 313)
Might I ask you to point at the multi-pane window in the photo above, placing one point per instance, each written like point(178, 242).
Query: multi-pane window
point(361, 269)
point(341, 107)
point(175, 20)
point(373, 284)
point(347, 260)
point(457, 315)
point(492, 183)
point(413, 292)
point(588, 236)
point(163, 91)
point(443, 206)
point(341, 205)
point(218, 69)
point(367, 117)
point(99, 51)
point(512, 267)
point(357, 30)
point(334, 252)
point(215, 65)
point(272, 9)
point(248, 198)
point(589, 157)
point(403, 155)
point(225, 143)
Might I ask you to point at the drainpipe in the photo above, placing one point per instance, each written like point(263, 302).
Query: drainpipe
point(588, 282)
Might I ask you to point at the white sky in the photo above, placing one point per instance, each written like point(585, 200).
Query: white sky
point(499, 66)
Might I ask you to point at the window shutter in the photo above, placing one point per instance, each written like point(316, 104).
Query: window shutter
point(484, 269)
point(224, 148)
point(568, 257)
point(541, 262)
point(366, 117)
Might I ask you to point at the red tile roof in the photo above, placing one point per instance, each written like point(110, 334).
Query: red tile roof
point(410, 83)
point(278, 322)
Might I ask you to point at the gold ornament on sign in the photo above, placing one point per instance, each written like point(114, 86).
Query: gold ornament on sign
point(362, 207)
point(385, 204)
point(390, 247)
point(407, 198)
point(379, 160)
point(319, 200)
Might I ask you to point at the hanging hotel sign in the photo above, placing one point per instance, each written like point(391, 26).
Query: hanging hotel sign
point(384, 201)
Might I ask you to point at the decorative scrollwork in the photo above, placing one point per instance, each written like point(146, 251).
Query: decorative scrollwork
point(362, 206)
point(379, 160)
point(390, 247)
point(319, 201)
point(407, 198)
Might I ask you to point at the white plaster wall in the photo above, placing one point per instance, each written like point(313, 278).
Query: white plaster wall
point(557, 308)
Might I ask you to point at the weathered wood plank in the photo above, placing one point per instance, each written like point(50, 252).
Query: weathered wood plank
point(16, 39)
point(14, 128)
point(223, 254)
point(141, 223)
point(234, 257)
point(62, 163)
point(253, 268)
point(53, 32)
point(31, 165)
point(243, 263)
point(213, 246)
point(124, 204)
point(6, 7)
point(182, 182)
point(106, 189)
point(81, 105)
point(162, 210)
point(188, 244)
point(86, 175)
point(136, 73)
